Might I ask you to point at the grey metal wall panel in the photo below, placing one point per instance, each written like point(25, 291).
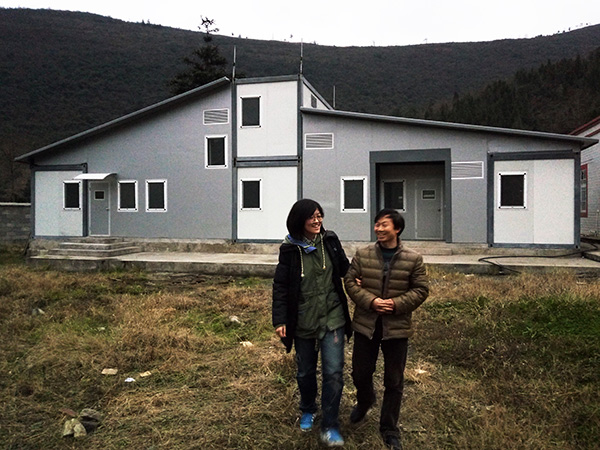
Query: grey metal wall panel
point(356, 139)
point(170, 146)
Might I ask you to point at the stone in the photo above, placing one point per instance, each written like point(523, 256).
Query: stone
point(90, 414)
point(79, 430)
point(90, 419)
point(68, 429)
point(234, 320)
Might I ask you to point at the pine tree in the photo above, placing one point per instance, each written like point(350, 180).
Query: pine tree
point(206, 63)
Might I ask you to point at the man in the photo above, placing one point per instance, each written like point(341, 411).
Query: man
point(387, 282)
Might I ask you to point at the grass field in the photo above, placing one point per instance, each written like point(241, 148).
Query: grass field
point(497, 362)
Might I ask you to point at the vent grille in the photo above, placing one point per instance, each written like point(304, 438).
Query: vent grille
point(216, 116)
point(319, 141)
point(467, 170)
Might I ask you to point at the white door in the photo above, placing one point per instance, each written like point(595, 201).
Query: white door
point(265, 196)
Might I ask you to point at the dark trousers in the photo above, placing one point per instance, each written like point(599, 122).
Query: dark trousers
point(364, 360)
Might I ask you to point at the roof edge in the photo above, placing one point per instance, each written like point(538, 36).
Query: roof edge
point(271, 79)
point(586, 126)
point(585, 141)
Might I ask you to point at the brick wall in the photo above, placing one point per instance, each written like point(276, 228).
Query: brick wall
point(15, 221)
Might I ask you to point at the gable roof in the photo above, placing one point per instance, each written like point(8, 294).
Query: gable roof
point(129, 118)
point(585, 142)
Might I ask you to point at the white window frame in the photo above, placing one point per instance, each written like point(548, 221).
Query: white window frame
point(260, 194)
point(225, 155)
point(148, 209)
point(260, 111)
point(342, 192)
point(499, 193)
point(135, 187)
point(79, 188)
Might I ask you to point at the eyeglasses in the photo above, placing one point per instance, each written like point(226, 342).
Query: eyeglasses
point(317, 217)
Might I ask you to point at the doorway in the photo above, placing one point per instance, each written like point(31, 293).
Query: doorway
point(99, 204)
point(416, 190)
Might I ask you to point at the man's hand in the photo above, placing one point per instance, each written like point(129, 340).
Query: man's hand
point(383, 306)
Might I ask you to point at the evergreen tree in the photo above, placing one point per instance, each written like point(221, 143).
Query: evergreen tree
point(557, 96)
point(206, 63)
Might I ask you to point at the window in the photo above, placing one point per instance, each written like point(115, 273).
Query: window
point(313, 101)
point(354, 194)
point(216, 152)
point(251, 194)
point(156, 195)
point(394, 194)
point(128, 196)
point(584, 190)
point(72, 195)
point(512, 190)
point(251, 112)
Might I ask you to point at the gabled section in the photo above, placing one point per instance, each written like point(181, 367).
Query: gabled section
point(129, 118)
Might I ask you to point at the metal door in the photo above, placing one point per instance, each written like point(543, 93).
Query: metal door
point(99, 204)
point(429, 209)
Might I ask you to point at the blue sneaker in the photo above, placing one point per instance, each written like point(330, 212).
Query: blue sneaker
point(332, 438)
point(306, 421)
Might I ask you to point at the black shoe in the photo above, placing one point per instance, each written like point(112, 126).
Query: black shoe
point(392, 442)
point(358, 414)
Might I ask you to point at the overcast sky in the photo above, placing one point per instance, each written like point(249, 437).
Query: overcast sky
point(346, 23)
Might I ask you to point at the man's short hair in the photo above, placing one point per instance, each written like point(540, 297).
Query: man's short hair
point(300, 212)
point(394, 215)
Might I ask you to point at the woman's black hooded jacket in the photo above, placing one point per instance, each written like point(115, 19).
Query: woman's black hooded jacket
point(287, 281)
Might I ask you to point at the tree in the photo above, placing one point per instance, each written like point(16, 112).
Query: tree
point(206, 63)
point(14, 176)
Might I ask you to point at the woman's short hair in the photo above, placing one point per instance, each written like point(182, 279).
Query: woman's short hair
point(396, 217)
point(300, 212)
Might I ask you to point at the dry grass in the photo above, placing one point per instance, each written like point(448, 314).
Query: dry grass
point(497, 362)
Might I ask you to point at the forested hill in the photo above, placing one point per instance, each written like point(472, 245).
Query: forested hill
point(557, 96)
point(64, 72)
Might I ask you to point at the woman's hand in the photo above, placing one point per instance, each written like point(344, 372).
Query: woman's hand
point(280, 331)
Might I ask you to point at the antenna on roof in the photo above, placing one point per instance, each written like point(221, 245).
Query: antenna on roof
point(234, 57)
point(301, 54)
point(333, 99)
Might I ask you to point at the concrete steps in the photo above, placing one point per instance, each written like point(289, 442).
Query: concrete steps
point(94, 248)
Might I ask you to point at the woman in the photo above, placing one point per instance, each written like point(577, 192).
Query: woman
point(310, 311)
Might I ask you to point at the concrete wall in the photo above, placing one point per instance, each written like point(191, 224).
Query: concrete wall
point(15, 222)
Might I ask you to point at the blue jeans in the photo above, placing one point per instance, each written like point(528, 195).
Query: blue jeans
point(332, 365)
